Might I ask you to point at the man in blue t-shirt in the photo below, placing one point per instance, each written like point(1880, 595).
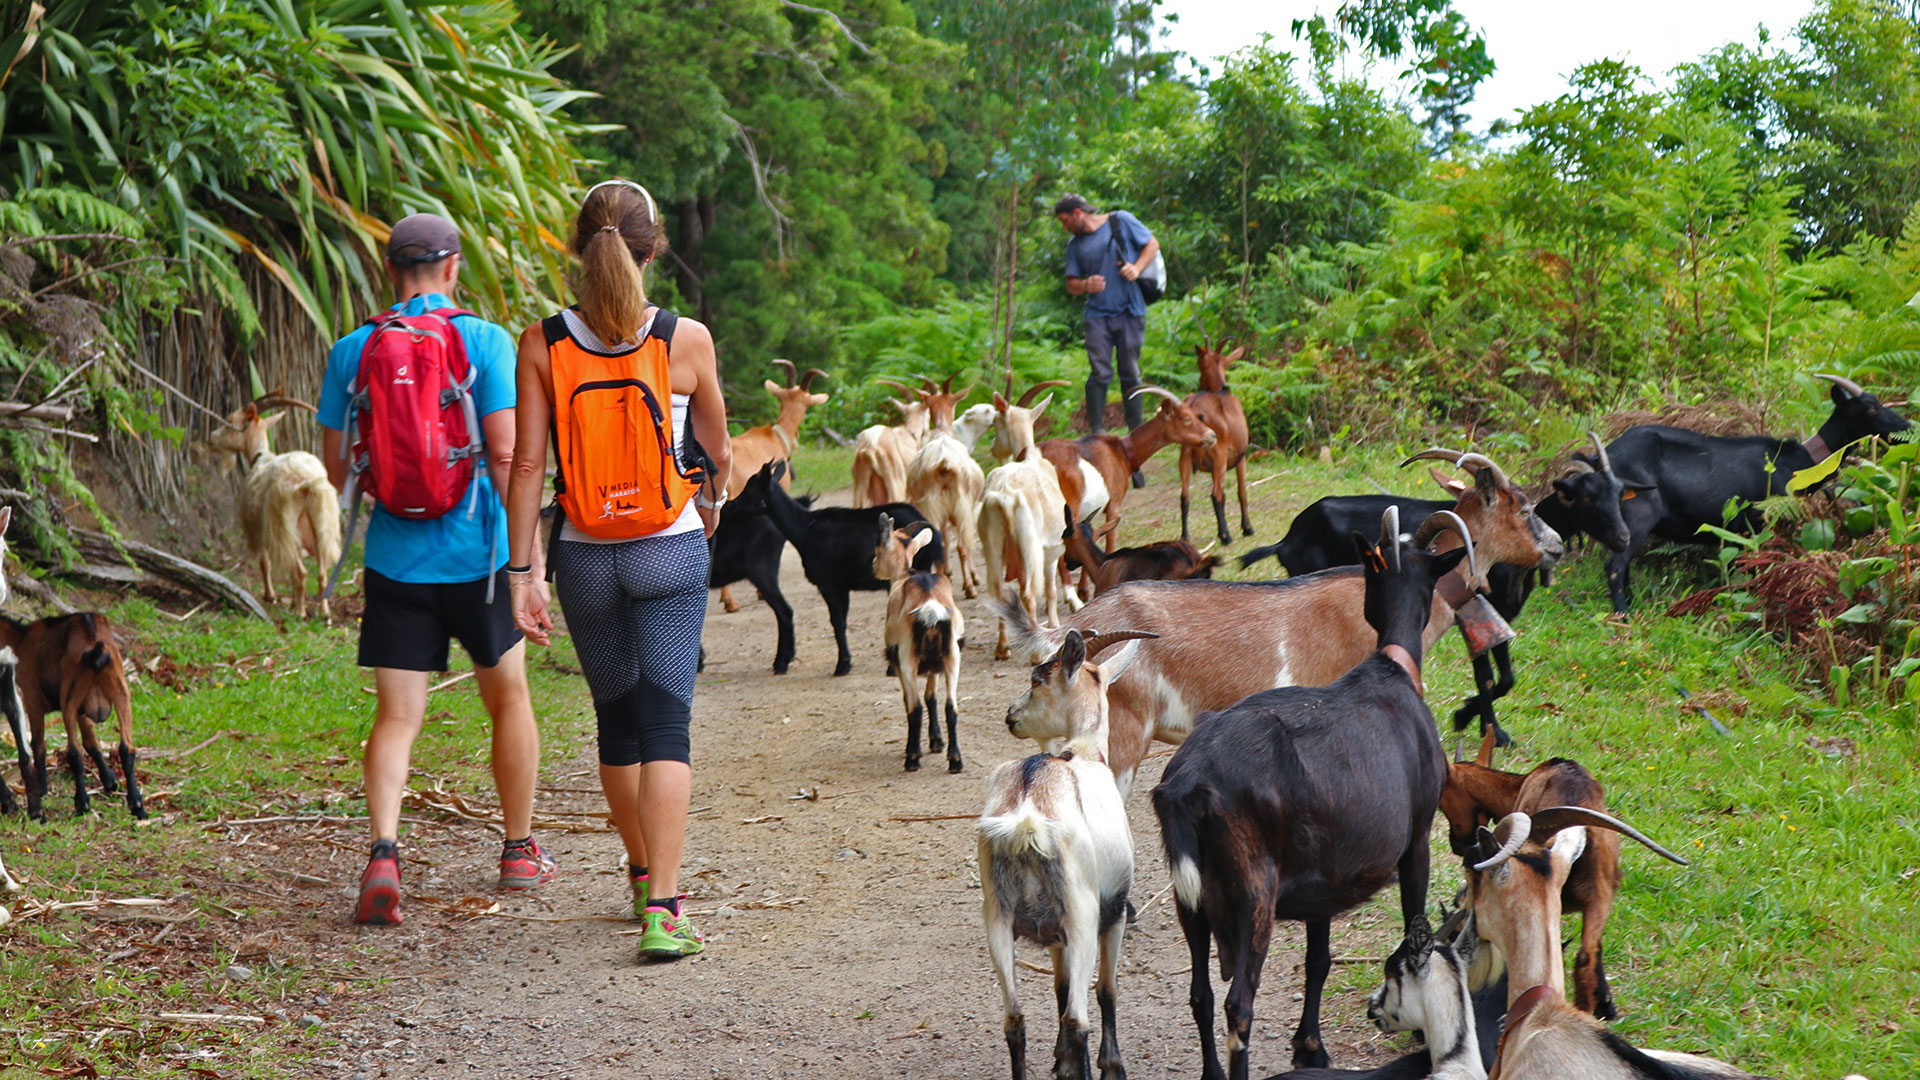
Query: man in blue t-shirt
point(427, 581)
point(1106, 254)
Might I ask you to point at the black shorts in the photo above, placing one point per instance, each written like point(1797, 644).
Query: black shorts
point(406, 624)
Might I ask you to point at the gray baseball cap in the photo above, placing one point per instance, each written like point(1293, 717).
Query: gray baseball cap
point(422, 238)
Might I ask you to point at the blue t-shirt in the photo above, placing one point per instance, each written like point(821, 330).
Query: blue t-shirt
point(453, 547)
point(1099, 253)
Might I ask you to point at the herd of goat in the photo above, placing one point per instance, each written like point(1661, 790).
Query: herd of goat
point(1309, 768)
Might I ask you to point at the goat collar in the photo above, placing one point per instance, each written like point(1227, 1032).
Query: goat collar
point(1399, 655)
point(1817, 448)
point(786, 440)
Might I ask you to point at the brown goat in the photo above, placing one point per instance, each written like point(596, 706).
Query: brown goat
point(1517, 873)
point(1546, 1037)
point(70, 664)
point(1478, 794)
point(1118, 457)
point(756, 446)
point(1168, 560)
point(1216, 406)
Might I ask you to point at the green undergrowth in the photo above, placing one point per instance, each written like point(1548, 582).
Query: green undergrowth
point(274, 717)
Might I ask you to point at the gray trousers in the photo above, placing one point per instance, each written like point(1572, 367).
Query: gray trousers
point(1111, 339)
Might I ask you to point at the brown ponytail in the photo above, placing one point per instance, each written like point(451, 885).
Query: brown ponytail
point(614, 237)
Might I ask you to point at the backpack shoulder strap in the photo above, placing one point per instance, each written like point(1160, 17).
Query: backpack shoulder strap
point(554, 329)
point(664, 322)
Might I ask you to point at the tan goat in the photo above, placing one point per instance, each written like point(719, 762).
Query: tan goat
point(288, 509)
point(881, 454)
point(946, 484)
point(924, 629)
point(1022, 521)
point(756, 446)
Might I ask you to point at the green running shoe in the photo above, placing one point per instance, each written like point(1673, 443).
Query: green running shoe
point(666, 936)
point(641, 893)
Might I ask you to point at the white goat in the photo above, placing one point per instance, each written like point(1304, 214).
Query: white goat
point(16, 711)
point(945, 484)
point(881, 454)
point(1022, 527)
point(287, 506)
point(1056, 854)
point(6, 518)
point(924, 628)
point(1426, 990)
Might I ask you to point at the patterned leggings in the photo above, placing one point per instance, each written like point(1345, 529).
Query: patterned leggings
point(634, 611)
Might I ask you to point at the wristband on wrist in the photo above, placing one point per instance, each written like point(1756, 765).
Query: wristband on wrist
point(526, 568)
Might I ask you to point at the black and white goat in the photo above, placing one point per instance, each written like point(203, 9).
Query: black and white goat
point(1056, 854)
point(835, 544)
point(924, 629)
point(1302, 802)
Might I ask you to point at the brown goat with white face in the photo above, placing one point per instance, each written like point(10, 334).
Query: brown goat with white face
point(1478, 794)
point(1517, 872)
point(924, 629)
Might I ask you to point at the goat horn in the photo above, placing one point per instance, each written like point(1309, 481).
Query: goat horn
point(1390, 533)
point(280, 400)
point(1554, 818)
point(1026, 399)
point(1447, 519)
point(806, 380)
point(903, 387)
point(1512, 833)
point(1096, 643)
point(1434, 453)
point(932, 387)
point(1204, 339)
point(1473, 463)
point(1852, 388)
point(1600, 451)
point(1576, 467)
point(946, 384)
point(788, 364)
point(1156, 392)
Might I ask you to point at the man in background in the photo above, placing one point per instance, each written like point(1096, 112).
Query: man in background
point(1105, 256)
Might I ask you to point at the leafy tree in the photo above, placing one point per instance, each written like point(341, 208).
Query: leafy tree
point(1448, 58)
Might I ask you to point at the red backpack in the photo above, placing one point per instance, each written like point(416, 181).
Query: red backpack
point(412, 431)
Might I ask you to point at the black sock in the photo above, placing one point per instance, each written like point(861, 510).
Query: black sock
point(385, 849)
point(527, 842)
point(671, 903)
point(635, 871)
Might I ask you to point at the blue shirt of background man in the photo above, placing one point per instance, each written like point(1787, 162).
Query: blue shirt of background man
point(1098, 253)
point(452, 547)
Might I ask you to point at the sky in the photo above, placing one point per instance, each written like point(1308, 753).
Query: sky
point(1534, 44)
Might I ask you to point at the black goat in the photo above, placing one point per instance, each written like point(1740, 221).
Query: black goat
point(835, 544)
point(747, 547)
point(1686, 479)
point(1302, 802)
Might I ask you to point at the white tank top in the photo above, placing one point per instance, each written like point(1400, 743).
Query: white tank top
point(689, 520)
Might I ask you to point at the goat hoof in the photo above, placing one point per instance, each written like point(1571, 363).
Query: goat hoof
point(843, 667)
point(1314, 1057)
point(780, 667)
point(955, 765)
point(913, 764)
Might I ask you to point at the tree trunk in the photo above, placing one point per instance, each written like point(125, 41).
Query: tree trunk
point(695, 220)
point(1013, 270)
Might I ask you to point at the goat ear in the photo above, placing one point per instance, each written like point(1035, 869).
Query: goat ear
point(1447, 483)
point(1233, 356)
point(1116, 665)
point(250, 413)
point(1073, 653)
point(1365, 548)
point(1039, 408)
point(920, 539)
point(6, 516)
point(1466, 942)
point(1444, 562)
point(999, 403)
point(1488, 485)
point(772, 387)
point(1568, 845)
point(816, 399)
point(886, 528)
point(275, 418)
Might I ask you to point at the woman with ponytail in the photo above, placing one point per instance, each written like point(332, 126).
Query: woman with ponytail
point(631, 396)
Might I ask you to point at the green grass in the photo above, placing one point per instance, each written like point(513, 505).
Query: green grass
point(284, 709)
point(1787, 947)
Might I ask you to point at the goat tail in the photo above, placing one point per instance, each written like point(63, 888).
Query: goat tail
point(1254, 556)
point(320, 503)
point(1023, 830)
point(1180, 831)
point(96, 658)
point(1026, 637)
point(1204, 568)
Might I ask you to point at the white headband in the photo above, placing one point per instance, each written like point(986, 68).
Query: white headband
point(653, 212)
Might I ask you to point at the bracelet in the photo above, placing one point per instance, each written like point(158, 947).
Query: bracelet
point(705, 504)
point(525, 568)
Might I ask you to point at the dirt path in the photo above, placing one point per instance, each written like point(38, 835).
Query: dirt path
point(843, 943)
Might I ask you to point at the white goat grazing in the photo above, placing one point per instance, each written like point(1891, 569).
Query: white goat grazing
point(287, 506)
point(1056, 855)
point(1426, 990)
point(945, 484)
point(881, 454)
point(924, 628)
point(1022, 527)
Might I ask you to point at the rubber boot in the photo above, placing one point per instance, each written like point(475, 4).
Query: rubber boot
point(1134, 407)
point(1096, 409)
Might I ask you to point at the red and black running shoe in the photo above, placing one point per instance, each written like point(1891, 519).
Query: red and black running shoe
point(380, 887)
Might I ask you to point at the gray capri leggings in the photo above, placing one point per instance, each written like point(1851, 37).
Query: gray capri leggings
point(634, 611)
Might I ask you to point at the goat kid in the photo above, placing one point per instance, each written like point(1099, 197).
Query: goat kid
point(1686, 479)
point(923, 635)
point(70, 664)
point(1546, 1037)
point(756, 446)
point(1056, 855)
point(287, 506)
point(1168, 560)
point(747, 547)
point(1301, 803)
point(1425, 989)
point(1516, 875)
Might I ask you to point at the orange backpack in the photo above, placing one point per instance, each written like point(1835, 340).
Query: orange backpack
point(612, 434)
